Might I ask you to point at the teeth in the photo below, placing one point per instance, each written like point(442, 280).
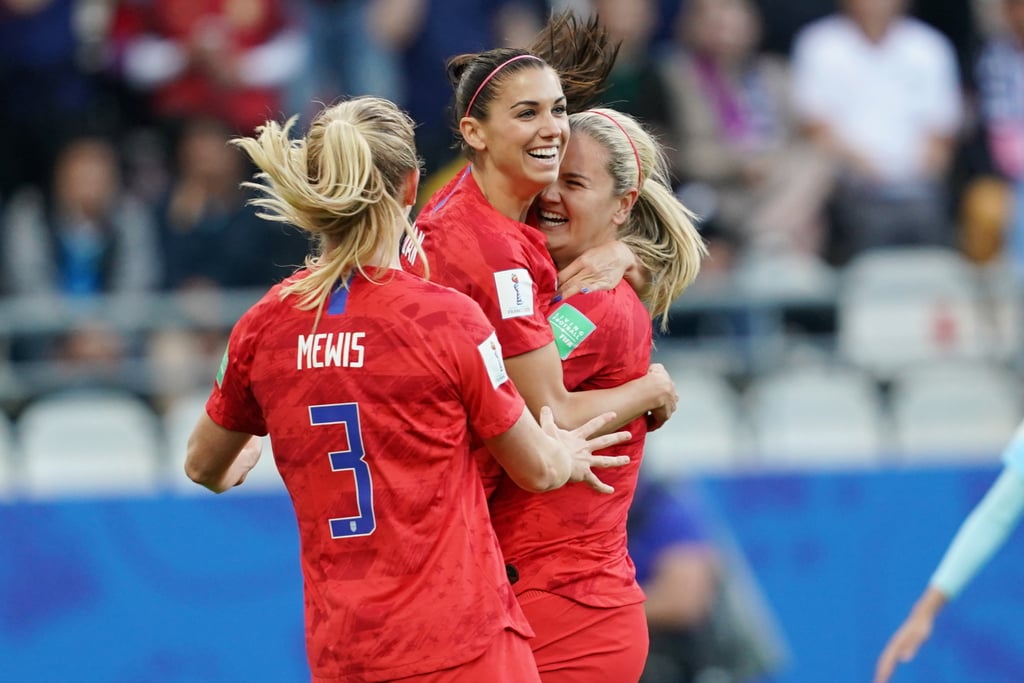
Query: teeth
point(544, 152)
point(552, 217)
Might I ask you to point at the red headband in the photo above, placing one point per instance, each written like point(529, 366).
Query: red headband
point(492, 74)
point(636, 154)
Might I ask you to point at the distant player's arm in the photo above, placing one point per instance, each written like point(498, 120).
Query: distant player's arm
point(982, 533)
point(538, 376)
point(219, 458)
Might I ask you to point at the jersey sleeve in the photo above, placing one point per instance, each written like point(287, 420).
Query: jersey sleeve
point(603, 339)
point(511, 296)
point(232, 404)
point(492, 402)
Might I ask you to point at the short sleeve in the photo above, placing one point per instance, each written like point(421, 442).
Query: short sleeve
point(232, 404)
point(492, 402)
point(1013, 454)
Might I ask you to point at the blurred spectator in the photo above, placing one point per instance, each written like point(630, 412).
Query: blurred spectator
point(212, 241)
point(224, 59)
point(440, 29)
point(86, 238)
point(992, 217)
point(636, 84)
point(677, 565)
point(205, 216)
point(48, 93)
point(879, 91)
point(705, 617)
point(763, 185)
point(354, 49)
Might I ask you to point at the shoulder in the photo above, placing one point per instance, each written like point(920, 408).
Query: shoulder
point(438, 304)
point(820, 32)
point(918, 35)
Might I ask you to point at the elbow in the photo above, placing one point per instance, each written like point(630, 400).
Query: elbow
point(201, 475)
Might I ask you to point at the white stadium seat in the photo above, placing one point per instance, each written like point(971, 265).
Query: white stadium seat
point(88, 443)
point(815, 417)
point(954, 411)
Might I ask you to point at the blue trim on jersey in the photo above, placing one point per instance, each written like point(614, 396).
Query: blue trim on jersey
point(448, 196)
point(339, 299)
point(1013, 454)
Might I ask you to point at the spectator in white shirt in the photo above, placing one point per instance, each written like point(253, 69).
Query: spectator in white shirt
point(879, 91)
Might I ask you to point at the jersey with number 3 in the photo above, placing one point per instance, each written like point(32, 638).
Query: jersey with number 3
point(369, 413)
point(572, 541)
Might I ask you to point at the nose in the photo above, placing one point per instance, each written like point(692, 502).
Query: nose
point(550, 126)
point(550, 195)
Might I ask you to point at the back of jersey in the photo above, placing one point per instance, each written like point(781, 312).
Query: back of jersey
point(369, 414)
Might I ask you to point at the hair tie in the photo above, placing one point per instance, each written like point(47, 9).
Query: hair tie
point(492, 74)
point(636, 154)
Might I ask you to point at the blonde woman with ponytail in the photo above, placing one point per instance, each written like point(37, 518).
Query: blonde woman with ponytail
point(370, 381)
point(567, 549)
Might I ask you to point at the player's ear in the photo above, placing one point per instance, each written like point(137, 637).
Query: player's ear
point(410, 187)
point(473, 133)
point(626, 203)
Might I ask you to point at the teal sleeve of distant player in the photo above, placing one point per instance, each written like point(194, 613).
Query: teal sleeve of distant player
point(1013, 456)
point(982, 533)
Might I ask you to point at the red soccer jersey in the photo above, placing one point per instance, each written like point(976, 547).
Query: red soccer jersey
point(500, 263)
point(369, 415)
point(572, 541)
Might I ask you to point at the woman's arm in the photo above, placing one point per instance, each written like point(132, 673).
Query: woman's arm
point(982, 533)
point(602, 268)
point(538, 376)
point(219, 458)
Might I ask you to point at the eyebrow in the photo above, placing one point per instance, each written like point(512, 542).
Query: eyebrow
point(534, 103)
point(575, 176)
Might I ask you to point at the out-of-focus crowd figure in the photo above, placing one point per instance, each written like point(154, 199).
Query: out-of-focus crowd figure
point(811, 126)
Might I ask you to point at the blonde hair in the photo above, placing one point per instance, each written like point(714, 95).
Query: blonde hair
point(342, 183)
point(659, 230)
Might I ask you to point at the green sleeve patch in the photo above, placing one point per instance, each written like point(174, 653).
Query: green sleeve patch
point(570, 328)
point(223, 368)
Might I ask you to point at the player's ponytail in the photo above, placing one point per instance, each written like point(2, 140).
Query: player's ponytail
point(581, 52)
point(342, 183)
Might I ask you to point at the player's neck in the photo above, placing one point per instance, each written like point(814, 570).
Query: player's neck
point(501, 193)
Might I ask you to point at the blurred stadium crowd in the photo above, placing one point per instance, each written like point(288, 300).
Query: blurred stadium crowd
point(858, 196)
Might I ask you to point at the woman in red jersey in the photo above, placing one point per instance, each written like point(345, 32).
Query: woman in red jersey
point(369, 381)
point(566, 550)
point(513, 125)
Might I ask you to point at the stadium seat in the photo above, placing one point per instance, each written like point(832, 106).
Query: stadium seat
point(953, 411)
point(816, 417)
point(179, 421)
point(706, 433)
point(900, 306)
point(88, 443)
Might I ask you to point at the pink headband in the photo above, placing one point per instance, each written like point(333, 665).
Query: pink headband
point(492, 74)
point(639, 166)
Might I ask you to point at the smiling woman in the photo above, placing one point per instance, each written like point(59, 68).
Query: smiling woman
point(511, 108)
point(577, 584)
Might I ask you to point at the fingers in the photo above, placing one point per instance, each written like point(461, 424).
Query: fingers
point(593, 425)
point(896, 652)
point(596, 484)
point(609, 460)
point(547, 418)
point(885, 667)
point(601, 442)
